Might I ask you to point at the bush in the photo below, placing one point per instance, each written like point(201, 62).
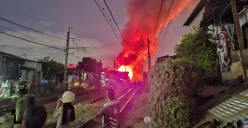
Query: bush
point(173, 87)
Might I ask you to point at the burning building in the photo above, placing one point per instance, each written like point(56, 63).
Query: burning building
point(146, 19)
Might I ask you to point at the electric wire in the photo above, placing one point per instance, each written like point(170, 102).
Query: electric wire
point(113, 18)
point(30, 29)
point(166, 15)
point(30, 41)
point(171, 20)
point(98, 5)
point(157, 19)
point(21, 33)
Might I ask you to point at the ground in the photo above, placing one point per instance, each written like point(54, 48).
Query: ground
point(137, 111)
point(84, 110)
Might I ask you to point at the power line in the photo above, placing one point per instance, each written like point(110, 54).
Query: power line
point(29, 41)
point(113, 18)
point(20, 33)
point(31, 29)
point(158, 18)
point(171, 20)
point(167, 14)
point(98, 5)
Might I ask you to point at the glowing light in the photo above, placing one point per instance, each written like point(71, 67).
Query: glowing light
point(127, 69)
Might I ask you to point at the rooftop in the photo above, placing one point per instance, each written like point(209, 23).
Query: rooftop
point(8, 55)
point(195, 12)
point(216, 12)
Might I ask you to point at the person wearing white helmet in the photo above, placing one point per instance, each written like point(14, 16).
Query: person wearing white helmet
point(148, 121)
point(65, 110)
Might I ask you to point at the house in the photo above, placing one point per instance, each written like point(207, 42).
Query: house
point(228, 105)
point(13, 68)
point(216, 13)
point(165, 58)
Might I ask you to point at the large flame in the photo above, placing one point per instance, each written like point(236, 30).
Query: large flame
point(126, 69)
point(142, 21)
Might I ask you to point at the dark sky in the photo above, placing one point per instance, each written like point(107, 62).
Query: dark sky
point(89, 28)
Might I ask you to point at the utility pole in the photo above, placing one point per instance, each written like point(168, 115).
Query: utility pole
point(149, 54)
point(66, 59)
point(240, 37)
point(114, 65)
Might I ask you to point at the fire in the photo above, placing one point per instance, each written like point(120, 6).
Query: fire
point(126, 69)
point(142, 20)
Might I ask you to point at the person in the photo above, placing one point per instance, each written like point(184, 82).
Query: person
point(19, 103)
point(65, 110)
point(35, 117)
point(240, 124)
point(148, 121)
point(30, 100)
point(110, 111)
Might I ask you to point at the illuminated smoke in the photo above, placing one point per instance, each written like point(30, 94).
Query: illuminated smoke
point(142, 18)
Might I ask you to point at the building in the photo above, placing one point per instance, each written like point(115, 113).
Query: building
point(13, 68)
point(216, 13)
point(165, 58)
point(196, 16)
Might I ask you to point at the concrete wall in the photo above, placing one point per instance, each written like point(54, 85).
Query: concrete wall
point(197, 20)
point(236, 66)
point(33, 65)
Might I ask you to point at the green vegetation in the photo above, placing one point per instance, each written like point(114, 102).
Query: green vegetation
point(173, 88)
point(196, 47)
point(50, 67)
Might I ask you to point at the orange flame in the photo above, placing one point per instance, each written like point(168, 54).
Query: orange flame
point(126, 69)
point(142, 20)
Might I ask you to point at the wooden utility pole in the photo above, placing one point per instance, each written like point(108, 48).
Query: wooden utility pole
point(66, 59)
point(114, 65)
point(149, 54)
point(240, 37)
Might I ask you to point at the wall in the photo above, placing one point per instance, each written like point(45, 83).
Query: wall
point(236, 66)
point(197, 20)
point(33, 65)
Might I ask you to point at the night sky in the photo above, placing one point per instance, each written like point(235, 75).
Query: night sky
point(89, 28)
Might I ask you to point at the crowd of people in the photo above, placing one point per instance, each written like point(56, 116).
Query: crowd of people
point(27, 114)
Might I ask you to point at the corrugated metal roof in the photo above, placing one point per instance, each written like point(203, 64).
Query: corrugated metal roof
point(233, 109)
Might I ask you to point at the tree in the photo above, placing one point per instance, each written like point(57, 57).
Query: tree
point(87, 64)
point(196, 47)
point(50, 67)
point(173, 89)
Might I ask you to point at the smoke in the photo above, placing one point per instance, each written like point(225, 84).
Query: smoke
point(143, 23)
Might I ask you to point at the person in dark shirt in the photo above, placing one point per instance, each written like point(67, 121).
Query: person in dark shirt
point(110, 111)
point(34, 117)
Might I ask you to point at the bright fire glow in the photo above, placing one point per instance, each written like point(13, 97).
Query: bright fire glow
point(142, 24)
point(127, 69)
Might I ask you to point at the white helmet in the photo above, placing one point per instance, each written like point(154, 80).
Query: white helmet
point(148, 121)
point(68, 97)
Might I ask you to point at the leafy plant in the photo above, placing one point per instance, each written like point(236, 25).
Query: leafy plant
point(50, 67)
point(173, 87)
point(196, 47)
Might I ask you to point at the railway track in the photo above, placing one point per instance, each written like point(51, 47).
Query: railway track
point(95, 121)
